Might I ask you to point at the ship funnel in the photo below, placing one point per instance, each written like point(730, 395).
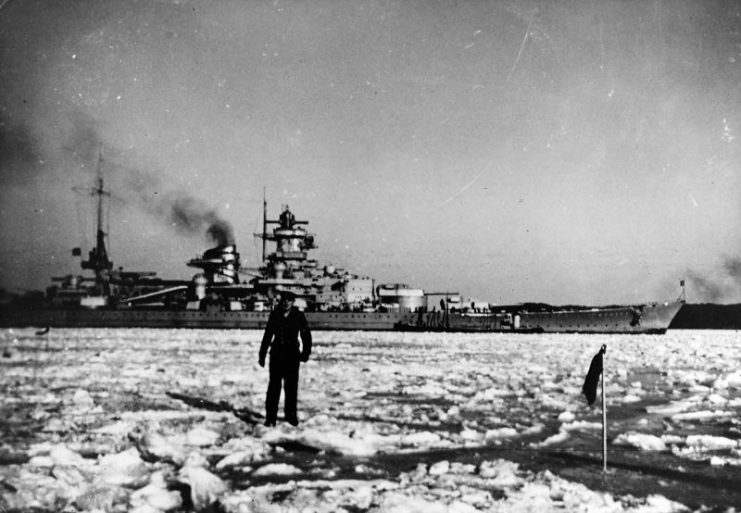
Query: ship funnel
point(219, 264)
point(230, 259)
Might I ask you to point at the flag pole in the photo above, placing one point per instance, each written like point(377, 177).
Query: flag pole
point(589, 389)
point(604, 414)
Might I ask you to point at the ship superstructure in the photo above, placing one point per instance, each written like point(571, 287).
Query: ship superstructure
point(224, 285)
point(289, 268)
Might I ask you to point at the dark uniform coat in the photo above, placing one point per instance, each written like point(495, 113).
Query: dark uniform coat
point(281, 338)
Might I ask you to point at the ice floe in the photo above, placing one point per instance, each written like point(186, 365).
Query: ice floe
point(376, 409)
point(641, 441)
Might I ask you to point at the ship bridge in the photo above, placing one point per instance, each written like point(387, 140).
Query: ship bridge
point(292, 243)
point(291, 239)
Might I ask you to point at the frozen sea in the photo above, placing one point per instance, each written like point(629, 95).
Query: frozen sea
point(159, 420)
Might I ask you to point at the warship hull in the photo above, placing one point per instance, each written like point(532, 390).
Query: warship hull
point(374, 321)
point(654, 318)
point(649, 319)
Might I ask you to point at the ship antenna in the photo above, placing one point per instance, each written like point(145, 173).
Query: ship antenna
point(100, 191)
point(264, 222)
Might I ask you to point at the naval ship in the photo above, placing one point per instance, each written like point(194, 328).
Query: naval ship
point(224, 295)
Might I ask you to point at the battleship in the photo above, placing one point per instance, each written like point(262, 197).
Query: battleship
point(224, 295)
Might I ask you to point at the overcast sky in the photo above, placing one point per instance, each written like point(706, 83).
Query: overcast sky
point(565, 152)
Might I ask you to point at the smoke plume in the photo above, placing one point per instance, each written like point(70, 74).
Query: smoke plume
point(19, 154)
point(724, 286)
point(186, 214)
point(191, 216)
point(732, 266)
point(79, 144)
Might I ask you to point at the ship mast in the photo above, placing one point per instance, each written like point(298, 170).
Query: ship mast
point(264, 223)
point(98, 260)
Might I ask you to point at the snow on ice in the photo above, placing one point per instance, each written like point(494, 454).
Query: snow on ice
point(89, 425)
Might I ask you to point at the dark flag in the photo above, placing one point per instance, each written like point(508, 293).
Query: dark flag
point(76, 252)
point(589, 389)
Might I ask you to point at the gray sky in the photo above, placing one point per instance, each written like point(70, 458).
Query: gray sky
point(566, 152)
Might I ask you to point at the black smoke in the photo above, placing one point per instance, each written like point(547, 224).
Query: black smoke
point(79, 144)
point(191, 216)
point(178, 209)
point(221, 232)
point(720, 286)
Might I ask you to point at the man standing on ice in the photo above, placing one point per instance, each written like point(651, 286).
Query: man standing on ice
point(281, 335)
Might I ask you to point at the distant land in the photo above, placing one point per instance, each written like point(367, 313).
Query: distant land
point(704, 316)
